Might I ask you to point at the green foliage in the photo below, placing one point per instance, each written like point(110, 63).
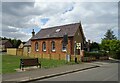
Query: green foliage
point(93, 54)
point(110, 44)
point(105, 45)
point(109, 35)
point(51, 63)
point(12, 62)
point(113, 46)
point(94, 46)
point(14, 42)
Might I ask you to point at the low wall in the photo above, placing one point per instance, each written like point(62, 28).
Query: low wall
point(21, 52)
point(55, 56)
point(12, 51)
point(49, 56)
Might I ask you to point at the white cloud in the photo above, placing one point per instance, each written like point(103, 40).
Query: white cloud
point(77, 1)
point(96, 17)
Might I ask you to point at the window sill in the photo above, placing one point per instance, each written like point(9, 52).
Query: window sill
point(64, 50)
point(37, 50)
point(44, 50)
point(53, 50)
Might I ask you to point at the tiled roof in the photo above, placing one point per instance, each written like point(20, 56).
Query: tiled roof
point(58, 31)
point(28, 43)
point(2, 42)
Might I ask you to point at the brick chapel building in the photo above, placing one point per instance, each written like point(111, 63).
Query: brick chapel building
point(49, 41)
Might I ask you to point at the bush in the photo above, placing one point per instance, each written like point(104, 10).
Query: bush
point(115, 55)
point(93, 54)
point(113, 46)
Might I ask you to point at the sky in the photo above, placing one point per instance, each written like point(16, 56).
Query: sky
point(19, 18)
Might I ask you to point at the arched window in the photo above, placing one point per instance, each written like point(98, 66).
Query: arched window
point(53, 46)
point(36, 46)
point(64, 47)
point(44, 46)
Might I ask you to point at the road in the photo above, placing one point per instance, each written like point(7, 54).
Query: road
point(107, 72)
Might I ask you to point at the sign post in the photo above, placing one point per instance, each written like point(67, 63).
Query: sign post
point(78, 47)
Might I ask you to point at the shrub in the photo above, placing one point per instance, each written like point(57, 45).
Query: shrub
point(93, 54)
point(112, 46)
point(115, 55)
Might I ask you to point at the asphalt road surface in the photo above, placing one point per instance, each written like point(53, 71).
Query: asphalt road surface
point(107, 72)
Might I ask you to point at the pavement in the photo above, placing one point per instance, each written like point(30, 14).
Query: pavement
point(33, 74)
point(42, 73)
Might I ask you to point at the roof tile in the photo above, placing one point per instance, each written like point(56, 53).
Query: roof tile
point(70, 29)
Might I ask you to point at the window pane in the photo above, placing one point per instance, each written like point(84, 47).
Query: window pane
point(63, 47)
point(53, 46)
point(44, 46)
point(36, 46)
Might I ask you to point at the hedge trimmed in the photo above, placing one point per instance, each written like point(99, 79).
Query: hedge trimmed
point(96, 55)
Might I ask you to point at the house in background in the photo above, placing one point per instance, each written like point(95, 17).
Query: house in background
point(87, 46)
point(4, 44)
point(49, 41)
point(21, 45)
point(27, 46)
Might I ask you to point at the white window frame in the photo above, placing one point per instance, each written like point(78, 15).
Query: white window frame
point(36, 46)
point(53, 46)
point(44, 46)
point(64, 50)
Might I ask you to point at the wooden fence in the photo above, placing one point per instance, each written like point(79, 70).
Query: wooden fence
point(15, 51)
point(12, 51)
point(19, 52)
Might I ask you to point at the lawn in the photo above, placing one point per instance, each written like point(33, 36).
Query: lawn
point(11, 62)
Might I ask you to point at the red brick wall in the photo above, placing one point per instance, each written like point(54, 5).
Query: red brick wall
point(58, 54)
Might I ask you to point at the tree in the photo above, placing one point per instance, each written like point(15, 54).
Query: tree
point(14, 42)
point(105, 45)
point(94, 46)
point(109, 35)
point(110, 44)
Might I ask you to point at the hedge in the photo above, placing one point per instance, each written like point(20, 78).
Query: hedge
point(97, 55)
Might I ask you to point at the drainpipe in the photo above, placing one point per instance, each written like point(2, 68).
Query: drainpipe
point(75, 51)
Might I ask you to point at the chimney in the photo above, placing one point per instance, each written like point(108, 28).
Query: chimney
point(88, 45)
point(33, 33)
point(88, 42)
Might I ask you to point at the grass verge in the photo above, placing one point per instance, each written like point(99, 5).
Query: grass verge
point(11, 62)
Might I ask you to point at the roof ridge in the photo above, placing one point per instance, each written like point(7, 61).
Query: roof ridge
point(51, 32)
point(60, 26)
